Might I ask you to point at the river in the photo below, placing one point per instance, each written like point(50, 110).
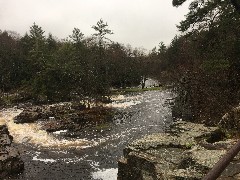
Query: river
point(93, 153)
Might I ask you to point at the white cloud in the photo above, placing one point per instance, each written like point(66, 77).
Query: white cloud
point(137, 22)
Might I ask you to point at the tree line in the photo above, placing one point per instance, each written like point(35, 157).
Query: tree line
point(204, 61)
point(42, 68)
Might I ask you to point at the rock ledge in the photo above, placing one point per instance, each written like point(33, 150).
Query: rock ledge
point(188, 151)
point(10, 162)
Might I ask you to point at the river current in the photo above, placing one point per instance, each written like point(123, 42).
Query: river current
point(94, 152)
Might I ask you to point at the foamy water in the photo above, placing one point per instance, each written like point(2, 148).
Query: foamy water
point(106, 174)
point(123, 104)
point(31, 133)
point(36, 158)
point(121, 101)
point(137, 114)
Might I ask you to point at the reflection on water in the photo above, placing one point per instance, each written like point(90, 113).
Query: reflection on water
point(137, 114)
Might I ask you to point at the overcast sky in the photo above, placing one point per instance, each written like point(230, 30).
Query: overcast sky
point(141, 23)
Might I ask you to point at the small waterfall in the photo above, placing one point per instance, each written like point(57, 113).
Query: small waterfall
point(31, 133)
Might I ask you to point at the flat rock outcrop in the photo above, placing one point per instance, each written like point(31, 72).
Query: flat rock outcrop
point(10, 161)
point(188, 151)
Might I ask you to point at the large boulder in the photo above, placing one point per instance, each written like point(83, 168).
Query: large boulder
point(188, 151)
point(10, 161)
point(42, 113)
point(34, 113)
point(64, 116)
point(26, 117)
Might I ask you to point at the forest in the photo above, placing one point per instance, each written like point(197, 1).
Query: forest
point(43, 69)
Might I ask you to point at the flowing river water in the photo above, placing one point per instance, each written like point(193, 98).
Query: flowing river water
point(94, 152)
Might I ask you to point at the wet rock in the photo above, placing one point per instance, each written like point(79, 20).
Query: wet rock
point(33, 114)
point(3, 129)
point(78, 106)
point(5, 137)
point(10, 161)
point(57, 125)
point(26, 117)
point(64, 116)
point(5, 140)
point(180, 153)
point(24, 105)
point(43, 113)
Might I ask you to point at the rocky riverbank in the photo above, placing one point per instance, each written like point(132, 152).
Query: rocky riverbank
point(187, 151)
point(64, 116)
point(10, 161)
point(50, 118)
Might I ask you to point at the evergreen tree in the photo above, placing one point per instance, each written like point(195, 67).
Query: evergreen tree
point(102, 31)
point(37, 53)
point(101, 63)
point(162, 47)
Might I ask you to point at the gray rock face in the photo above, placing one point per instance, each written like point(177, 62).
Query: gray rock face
point(10, 162)
point(188, 151)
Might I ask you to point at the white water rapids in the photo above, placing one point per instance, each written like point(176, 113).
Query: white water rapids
point(32, 133)
point(95, 152)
